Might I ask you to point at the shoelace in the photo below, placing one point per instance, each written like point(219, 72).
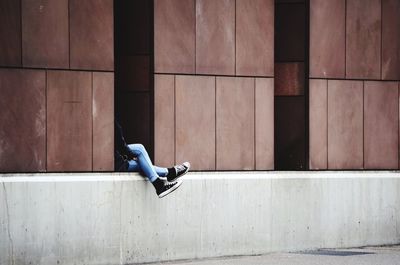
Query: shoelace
point(180, 168)
point(169, 185)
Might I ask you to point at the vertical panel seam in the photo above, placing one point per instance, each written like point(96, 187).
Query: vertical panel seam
point(327, 124)
point(306, 84)
point(398, 124)
point(235, 36)
point(21, 31)
point(255, 123)
point(363, 135)
point(69, 35)
point(215, 120)
point(92, 103)
point(381, 51)
point(174, 98)
point(273, 118)
point(195, 37)
point(46, 120)
point(345, 39)
point(151, 78)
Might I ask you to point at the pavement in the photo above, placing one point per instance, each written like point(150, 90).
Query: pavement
point(384, 255)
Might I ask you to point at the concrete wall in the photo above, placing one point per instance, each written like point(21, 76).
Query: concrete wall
point(117, 219)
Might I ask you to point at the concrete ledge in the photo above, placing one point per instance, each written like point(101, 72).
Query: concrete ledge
point(117, 219)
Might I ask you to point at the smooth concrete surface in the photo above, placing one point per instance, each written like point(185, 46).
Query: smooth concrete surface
point(113, 218)
point(388, 255)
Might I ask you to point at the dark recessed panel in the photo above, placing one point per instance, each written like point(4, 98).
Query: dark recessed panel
point(290, 32)
point(133, 113)
point(132, 26)
point(133, 73)
point(290, 133)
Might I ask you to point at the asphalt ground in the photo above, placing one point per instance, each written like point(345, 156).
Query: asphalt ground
point(382, 255)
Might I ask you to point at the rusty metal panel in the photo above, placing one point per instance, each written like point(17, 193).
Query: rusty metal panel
point(45, 39)
point(103, 121)
point(345, 124)
point(92, 34)
point(255, 37)
point(10, 33)
point(164, 120)
point(289, 79)
point(264, 123)
point(363, 39)
point(381, 125)
point(174, 36)
point(195, 121)
point(327, 38)
point(22, 120)
point(69, 121)
point(391, 39)
point(318, 124)
point(215, 37)
point(235, 123)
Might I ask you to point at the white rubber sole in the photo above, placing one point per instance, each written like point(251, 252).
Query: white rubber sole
point(165, 193)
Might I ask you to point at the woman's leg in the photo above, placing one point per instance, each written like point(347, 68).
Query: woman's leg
point(144, 163)
point(161, 171)
point(133, 166)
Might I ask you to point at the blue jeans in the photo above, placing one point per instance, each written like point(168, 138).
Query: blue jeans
point(143, 163)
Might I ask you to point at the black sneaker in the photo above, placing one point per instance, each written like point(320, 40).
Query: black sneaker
point(167, 187)
point(176, 172)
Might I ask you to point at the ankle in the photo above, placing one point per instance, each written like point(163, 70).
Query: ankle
point(158, 183)
point(171, 172)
